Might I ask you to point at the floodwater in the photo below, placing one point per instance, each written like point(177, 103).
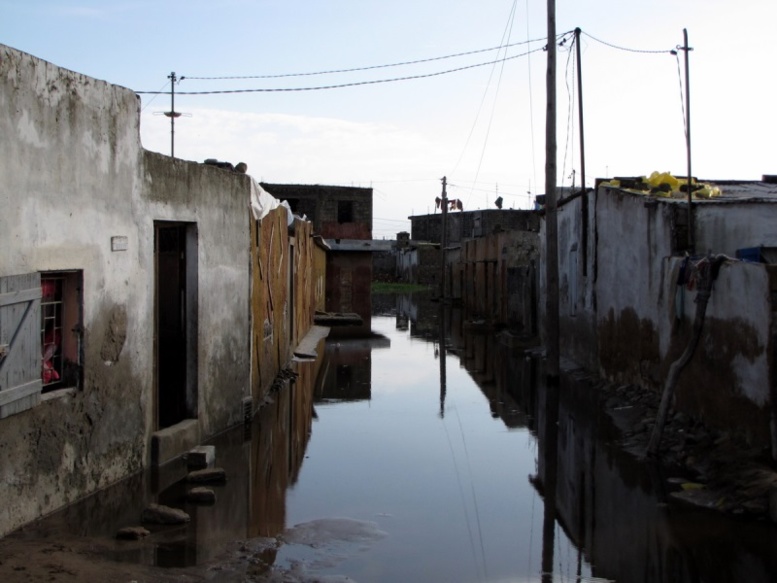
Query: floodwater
point(421, 456)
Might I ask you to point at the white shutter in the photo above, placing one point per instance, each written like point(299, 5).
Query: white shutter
point(20, 350)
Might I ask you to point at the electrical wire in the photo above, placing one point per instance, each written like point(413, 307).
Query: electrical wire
point(480, 108)
point(509, 33)
point(570, 108)
point(372, 67)
point(474, 496)
point(613, 46)
point(157, 94)
point(531, 107)
point(682, 92)
point(463, 498)
point(353, 84)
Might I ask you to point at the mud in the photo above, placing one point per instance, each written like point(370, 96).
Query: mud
point(704, 467)
point(292, 557)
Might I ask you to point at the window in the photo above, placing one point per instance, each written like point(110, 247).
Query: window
point(60, 329)
point(345, 211)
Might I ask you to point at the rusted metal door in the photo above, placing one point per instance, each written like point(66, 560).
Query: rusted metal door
point(20, 348)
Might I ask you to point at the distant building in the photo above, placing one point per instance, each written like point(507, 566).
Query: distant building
point(464, 225)
point(337, 212)
point(342, 215)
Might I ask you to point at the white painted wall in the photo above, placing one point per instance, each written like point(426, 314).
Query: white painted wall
point(724, 228)
point(74, 175)
point(630, 302)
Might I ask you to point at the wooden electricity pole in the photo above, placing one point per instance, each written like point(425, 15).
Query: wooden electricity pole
point(687, 49)
point(551, 219)
point(444, 240)
point(584, 193)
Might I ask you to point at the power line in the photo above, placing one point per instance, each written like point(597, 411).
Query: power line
point(570, 109)
point(531, 105)
point(482, 101)
point(613, 46)
point(507, 32)
point(158, 93)
point(371, 67)
point(353, 84)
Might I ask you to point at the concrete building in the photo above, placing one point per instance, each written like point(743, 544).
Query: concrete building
point(627, 297)
point(337, 212)
point(463, 225)
point(126, 320)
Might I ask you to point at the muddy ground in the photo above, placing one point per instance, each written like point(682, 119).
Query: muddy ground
point(706, 468)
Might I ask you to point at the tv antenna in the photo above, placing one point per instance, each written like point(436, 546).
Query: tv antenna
point(172, 114)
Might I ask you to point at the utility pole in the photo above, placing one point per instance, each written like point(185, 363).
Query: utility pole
point(584, 197)
point(687, 49)
point(444, 240)
point(172, 114)
point(551, 219)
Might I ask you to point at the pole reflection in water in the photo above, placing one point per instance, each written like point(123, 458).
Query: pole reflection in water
point(550, 459)
point(442, 356)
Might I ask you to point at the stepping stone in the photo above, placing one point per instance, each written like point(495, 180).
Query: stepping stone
point(202, 456)
point(160, 514)
point(207, 475)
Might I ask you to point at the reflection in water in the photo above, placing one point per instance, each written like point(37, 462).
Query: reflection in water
point(438, 454)
point(611, 506)
point(346, 371)
point(441, 354)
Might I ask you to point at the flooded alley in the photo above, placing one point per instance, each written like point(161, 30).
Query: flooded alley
point(415, 456)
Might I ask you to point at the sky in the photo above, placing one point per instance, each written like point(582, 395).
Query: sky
point(477, 119)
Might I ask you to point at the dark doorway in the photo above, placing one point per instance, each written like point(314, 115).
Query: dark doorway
point(175, 253)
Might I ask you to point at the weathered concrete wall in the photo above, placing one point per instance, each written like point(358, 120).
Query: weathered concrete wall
point(498, 279)
point(384, 265)
point(70, 158)
point(74, 176)
point(728, 383)
point(419, 264)
point(726, 228)
point(577, 271)
point(349, 281)
point(630, 320)
point(472, 224)
point(214, 200)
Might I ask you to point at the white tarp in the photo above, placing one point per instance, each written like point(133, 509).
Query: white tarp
point(262, 202)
